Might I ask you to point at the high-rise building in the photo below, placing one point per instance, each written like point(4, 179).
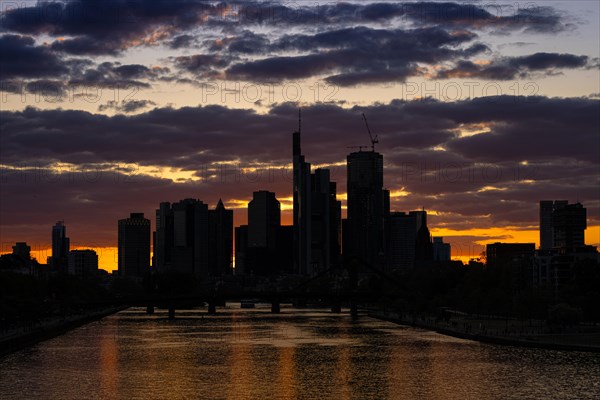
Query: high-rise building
point(134, 245)
point(503, 254)
point(302, 207)
point(441, 250)
point(401, 235)
point(190, 252)
point(568, 225)
point(317, 216)
point(320, 199)
point(547, 207)
point(264, 217)
point(561, 224)
point(285, 249)
point(192, 239)
point(60, 246)
point(335, 226)
point(408, 242)
point(163, 238)
point(83, 263)
point(220, 240)
point(264, 221)
point(241, 249)
point(22, 250)
point(423, 244)
point(562, 244)
point(365, 206)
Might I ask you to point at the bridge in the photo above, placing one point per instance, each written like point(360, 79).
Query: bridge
point(300, 294)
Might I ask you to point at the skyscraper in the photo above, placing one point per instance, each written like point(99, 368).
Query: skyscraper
point(561, 224)
point(408, 242)
point(441, 250)
point(60, 246)
point(163, 238)
point(190, 237)
point(320, 222)
point(401, 234)
point(220, 240)
point(264, 220)
point(423, 244)
point(83, 263)
point(547, 207)
point(302, 207)
point(264, 217)
point(241, 249)
point(568, 225)
point(335, 226)
point(134, 245)
point(365, 206)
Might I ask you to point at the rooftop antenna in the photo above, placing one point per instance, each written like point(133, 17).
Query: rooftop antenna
point(299, 120)
point(373, 139)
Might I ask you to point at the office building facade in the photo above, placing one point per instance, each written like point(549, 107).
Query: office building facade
point(134, 246)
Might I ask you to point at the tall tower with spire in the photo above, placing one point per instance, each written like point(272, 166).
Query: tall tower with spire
point(302, 205)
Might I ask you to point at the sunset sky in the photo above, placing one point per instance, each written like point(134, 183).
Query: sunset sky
point(110, 107)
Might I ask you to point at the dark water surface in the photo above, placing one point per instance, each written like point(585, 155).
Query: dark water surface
point(298, 354)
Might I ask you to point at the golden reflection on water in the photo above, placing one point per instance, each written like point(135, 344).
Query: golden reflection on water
point(287, 373)
point(240, 381)
point(109, 363)
point(343, 373)
point(298, 354)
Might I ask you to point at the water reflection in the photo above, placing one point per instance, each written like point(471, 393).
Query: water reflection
point(109, 361)
point(298, 354)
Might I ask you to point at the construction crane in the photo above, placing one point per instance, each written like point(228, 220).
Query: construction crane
point(373, 139)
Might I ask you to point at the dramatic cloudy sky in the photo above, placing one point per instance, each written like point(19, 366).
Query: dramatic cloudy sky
point(110, 107)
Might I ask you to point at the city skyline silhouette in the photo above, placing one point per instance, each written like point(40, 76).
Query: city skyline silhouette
point(299, 200)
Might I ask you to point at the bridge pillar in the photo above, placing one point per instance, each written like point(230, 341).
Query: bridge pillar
point(150, 310)
point(212, 308)
point(336, 308)
point(353, 310)
point(171, 312)
point(275, 307)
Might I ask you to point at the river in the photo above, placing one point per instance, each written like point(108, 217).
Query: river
point(297, 354)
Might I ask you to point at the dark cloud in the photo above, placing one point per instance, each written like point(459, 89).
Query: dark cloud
point(182, 41)
point(86, 46)
point(247, 42)
point(508, 68)
point(126, 106)
point(115, 75)
point(544, 128)
point(109, 27)
point(22, 58)
point(539, 61)
point(48, 89)
point(473, 181)
point(357, 55)
point(237, 47)
point(205, 65)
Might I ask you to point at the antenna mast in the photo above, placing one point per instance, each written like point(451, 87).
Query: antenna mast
point(299, 120)
point(373, 139)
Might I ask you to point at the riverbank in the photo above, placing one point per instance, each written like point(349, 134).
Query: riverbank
point(484, 331)
point(17, 339)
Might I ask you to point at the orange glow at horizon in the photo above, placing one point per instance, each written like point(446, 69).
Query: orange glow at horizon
point(462, 249)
